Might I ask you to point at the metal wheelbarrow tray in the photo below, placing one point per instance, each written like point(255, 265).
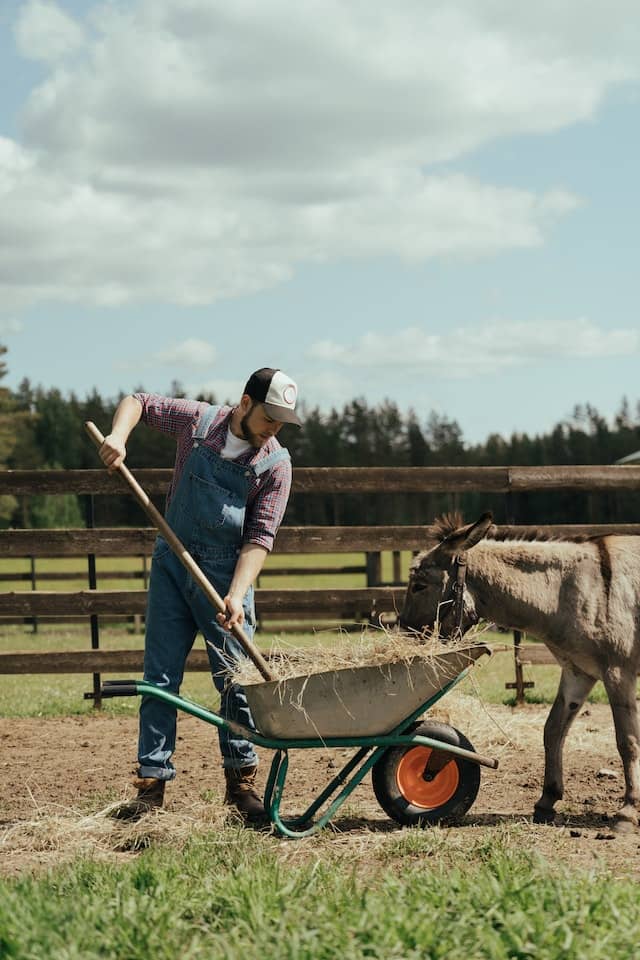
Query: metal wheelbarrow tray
point(354, 701)
point(423, 773)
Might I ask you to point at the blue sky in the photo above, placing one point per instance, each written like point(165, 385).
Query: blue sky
point(435, 204)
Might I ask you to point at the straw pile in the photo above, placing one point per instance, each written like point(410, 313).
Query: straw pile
point(54, 834)
point(373, 647)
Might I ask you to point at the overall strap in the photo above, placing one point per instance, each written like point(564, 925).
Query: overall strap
point(270, 461)
point(206, 419)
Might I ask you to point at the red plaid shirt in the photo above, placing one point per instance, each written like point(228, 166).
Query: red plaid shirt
point(268, 494)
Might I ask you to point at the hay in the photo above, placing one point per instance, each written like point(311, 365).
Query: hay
point(373, 647)
point(55, 834)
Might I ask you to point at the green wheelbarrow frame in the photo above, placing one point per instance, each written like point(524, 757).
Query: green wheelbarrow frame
point(369, 750)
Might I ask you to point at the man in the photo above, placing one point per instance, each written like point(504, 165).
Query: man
point(227, 497)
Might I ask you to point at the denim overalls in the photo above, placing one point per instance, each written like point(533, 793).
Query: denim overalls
point(207, 513)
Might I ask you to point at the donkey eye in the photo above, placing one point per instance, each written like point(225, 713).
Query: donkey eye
point(417, 586)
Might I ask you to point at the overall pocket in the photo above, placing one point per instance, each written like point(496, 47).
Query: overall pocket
point(217, 509)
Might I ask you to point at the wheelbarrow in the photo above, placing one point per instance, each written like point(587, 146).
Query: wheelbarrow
point(423, 772)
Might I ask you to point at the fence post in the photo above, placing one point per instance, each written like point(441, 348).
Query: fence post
point(374, 568)
point(137, 617)
point(95, 630)
point(397, 571)
point(520, 684)
point(374, 575)
point(34, 586)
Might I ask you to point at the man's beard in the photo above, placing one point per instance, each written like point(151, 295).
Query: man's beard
point(248, 434)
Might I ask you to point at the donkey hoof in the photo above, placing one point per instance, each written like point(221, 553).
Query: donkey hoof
point(623, 826)
point(544, 815)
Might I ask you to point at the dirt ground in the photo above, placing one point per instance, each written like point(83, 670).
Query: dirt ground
point(68, 770)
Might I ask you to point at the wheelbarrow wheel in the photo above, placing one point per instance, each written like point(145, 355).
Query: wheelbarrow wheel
point(418, 786)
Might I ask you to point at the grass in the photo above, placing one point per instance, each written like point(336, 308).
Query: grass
point(229, 893)
point(215, 891)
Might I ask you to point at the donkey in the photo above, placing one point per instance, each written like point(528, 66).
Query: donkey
point(580, 596)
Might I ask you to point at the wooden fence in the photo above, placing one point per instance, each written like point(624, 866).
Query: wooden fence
point(376, 600)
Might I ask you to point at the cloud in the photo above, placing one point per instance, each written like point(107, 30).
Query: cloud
point(466, 352)
point(187, 152)
point(224, 390)
point(9, 326)
point(45, 32)
point(190, 353)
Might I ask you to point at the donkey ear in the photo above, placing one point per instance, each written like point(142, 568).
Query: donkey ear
point(466, 537)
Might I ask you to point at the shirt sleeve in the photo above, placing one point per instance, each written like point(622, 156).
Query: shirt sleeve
point(169, 414)
point(265, 513)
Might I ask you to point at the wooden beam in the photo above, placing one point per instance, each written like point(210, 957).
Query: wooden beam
point(536, 654)
point(350, 479)
point(139, 541)
point(103, 542)
point(87, 661)
point(130, 661)
point(103, 661)
point(57, 603)
point(320, 603)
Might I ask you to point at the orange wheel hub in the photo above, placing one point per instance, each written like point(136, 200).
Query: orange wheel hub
point(419, 792)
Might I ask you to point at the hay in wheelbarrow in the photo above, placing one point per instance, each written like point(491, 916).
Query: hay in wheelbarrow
point(352, 688)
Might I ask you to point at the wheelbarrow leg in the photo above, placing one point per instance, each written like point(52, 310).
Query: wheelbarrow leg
point(275, 789)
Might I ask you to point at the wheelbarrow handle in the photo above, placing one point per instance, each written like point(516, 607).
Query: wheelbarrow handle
point(183, 555)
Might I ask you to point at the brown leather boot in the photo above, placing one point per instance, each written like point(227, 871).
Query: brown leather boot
point(150, 797)
point(242, 795)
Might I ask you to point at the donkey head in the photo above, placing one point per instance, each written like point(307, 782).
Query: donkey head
point(436, 601)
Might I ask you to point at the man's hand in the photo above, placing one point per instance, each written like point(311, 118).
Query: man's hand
point(234, 613)
point(113, 452)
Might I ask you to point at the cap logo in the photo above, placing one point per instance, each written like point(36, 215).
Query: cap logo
point(289, 394)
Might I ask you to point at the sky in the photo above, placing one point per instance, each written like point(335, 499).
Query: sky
point(434, 204)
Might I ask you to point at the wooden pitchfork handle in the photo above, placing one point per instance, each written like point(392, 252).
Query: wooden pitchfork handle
point(183, 555)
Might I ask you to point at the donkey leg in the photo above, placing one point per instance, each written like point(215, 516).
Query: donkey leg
point(572, 692)
point(621, 690)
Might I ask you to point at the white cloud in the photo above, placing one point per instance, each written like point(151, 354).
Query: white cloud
point(46, 32)
point(329, 387)
point(191, 151)
point(224, 390)
point(489, 347)
point(189, 353)
point(10, 325)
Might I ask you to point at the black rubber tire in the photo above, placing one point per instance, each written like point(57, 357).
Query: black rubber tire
point(464, 780)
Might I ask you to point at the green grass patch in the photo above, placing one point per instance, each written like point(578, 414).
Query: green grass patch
point(229, 894)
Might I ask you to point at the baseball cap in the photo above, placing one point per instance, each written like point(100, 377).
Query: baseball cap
point(276, 391)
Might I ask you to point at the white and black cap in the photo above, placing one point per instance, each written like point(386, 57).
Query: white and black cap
point(277, 393)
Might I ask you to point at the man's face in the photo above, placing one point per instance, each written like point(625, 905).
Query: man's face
point(257, 427)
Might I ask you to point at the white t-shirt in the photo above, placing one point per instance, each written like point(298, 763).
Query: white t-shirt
point(234, 446)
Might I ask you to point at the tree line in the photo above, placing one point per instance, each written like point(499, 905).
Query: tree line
point(43, 429)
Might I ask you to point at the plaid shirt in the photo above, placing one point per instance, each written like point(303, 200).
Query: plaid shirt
point(268, 494)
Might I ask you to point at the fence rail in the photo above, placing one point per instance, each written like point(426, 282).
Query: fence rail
point(353, 480)
point(338, 603)
point(278, 603)
point(118, 661)
point(137, 541)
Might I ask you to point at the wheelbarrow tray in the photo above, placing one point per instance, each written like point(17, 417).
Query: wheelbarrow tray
point(355, 701)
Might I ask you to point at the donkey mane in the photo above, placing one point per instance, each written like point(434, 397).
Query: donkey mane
point(448, 523)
